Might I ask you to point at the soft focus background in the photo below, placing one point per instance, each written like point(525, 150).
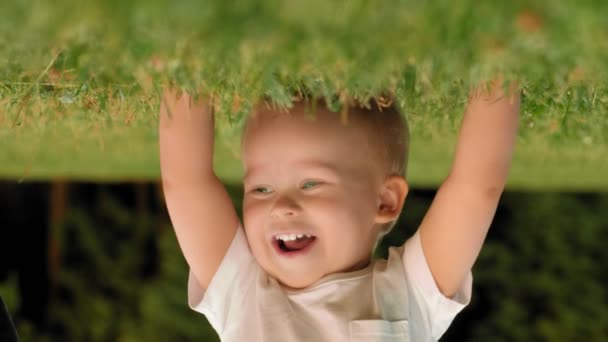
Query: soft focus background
point(87, 252)
point(92, 262)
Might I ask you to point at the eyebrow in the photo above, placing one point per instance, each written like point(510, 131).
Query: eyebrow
point(310, 164)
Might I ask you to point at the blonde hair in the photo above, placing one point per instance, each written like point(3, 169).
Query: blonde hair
point(383, 121)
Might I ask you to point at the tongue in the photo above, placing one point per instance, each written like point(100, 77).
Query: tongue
point(298, 244)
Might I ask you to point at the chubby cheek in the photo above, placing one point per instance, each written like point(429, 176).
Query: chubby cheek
point(253, 219)
point(344, 210)
point(253, 212)
point(327, 208)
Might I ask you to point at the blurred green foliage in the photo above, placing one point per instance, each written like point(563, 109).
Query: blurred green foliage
point(540, 276)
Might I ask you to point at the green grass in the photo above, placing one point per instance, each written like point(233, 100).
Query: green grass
point(80, 82)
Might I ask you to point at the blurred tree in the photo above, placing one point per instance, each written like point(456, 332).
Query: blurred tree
point(540, 275)
point(23, 249)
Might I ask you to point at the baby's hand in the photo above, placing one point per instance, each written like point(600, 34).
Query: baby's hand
point(494, 91)
point(179, 106)
point(185, 136)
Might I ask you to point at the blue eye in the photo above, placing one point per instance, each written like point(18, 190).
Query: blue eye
point(262, 190)
point(309, 184)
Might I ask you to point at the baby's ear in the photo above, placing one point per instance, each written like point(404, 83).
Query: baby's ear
point(391, 199)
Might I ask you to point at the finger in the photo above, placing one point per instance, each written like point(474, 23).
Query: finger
point(166, 103)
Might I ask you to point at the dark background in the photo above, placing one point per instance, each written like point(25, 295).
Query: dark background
point(100, 262)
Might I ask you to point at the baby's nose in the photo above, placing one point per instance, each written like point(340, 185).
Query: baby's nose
point(285, 206)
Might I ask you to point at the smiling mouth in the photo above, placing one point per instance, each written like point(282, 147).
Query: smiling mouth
point(294, 247)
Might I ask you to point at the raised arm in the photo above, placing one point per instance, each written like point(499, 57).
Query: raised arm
point(453, 230)
point(201, 211)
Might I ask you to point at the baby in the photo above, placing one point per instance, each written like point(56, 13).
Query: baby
point(320, 190)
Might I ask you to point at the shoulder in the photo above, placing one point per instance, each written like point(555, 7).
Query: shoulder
point(230, 285)
point(426, 301)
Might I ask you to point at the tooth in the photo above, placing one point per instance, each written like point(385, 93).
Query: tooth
point(291, 237)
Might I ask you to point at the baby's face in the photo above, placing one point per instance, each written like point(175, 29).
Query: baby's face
point(309, 177)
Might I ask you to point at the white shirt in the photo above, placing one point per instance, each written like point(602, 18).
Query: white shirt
point(389, 300)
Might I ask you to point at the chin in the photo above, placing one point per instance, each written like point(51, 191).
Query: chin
point(297, 284)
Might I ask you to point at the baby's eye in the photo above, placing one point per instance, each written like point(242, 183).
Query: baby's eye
point(262, 190)
point(309, 184)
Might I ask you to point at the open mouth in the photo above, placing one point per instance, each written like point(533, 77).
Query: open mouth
point(292, 247)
